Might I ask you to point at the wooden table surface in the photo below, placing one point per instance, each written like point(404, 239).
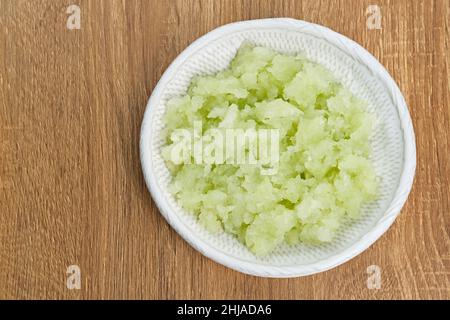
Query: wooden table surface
point(71, 188)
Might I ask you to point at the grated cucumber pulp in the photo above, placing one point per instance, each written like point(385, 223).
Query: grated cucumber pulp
point(324, 172)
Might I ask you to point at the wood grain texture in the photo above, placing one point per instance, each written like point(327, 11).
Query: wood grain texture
point(71, 188)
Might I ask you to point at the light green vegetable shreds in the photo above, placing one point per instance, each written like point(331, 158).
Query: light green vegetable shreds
point(323, 175)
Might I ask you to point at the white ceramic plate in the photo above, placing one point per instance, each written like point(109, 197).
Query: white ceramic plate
point(393, 143)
